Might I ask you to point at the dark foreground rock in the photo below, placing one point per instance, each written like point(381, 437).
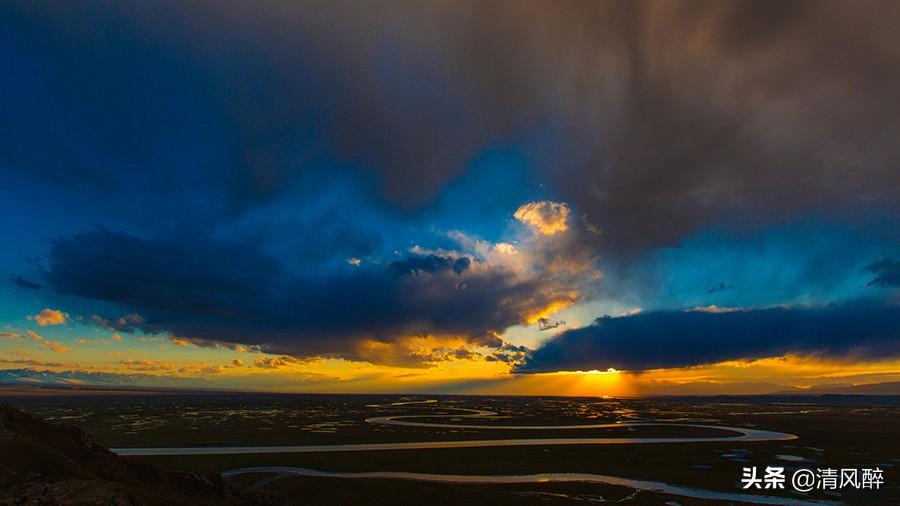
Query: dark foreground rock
point(49, 464)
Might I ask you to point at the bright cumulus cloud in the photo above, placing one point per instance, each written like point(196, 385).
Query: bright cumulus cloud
point(50, 317)
point(545, 217)
point(505, 248)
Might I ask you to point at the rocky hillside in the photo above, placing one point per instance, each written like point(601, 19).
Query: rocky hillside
point(48, 464)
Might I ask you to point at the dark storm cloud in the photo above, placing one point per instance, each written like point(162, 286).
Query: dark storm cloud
point(859, 329)
point(510, 354)
point(220, 291)
point(652, 119)
point(233, 106)
point(887, 273)
point(682, 114)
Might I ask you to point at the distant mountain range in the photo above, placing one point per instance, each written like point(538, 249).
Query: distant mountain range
point(88, 379)
point(887, 388)
point(703, 389)
point(97, 379)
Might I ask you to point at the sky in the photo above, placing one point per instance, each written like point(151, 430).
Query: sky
point(697, 197)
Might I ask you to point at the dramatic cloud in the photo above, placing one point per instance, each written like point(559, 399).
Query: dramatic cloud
point(50, 317)
point(674, 115)
point(545, 217)
point(652, 119)
point(210, 292)
point(861, 329)
point(271, 173)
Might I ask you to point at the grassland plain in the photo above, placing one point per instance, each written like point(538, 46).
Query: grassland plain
point(833, 432)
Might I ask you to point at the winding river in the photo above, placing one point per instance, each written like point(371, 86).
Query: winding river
point(740, 435)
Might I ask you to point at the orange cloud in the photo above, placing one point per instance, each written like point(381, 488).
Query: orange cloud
point(545, 217)
point(54, 346)
point(177, 341)
point(147, 365)
point(116, 336)
point(202, 369)
point(50, 317)
point(33, 335)
point(35, 363)
point(416, 351)
point(551, 308)
point(275, 362)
